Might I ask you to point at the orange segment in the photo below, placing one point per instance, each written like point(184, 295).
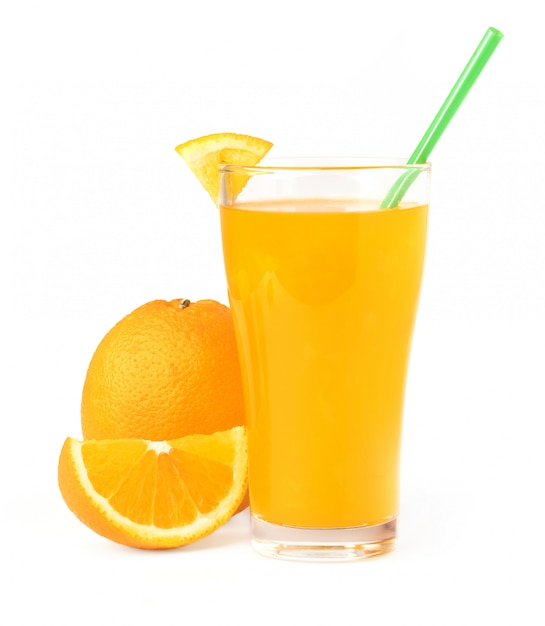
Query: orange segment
point(150, 494)
point(204, 155)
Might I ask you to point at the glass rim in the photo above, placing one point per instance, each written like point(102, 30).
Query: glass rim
point(310, 164)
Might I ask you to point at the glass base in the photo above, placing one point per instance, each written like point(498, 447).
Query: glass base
point(323, 544)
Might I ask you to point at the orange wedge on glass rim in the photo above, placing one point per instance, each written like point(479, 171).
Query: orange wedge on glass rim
point(155, 494)
point(205, 154)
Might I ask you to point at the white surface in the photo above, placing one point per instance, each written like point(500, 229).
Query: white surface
point(99, 215)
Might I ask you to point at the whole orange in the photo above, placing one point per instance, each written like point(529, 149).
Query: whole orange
point(166, 370)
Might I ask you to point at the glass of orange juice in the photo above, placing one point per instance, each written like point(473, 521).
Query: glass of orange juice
point(323, 285)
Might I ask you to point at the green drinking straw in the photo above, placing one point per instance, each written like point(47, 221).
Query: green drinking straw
point(455, 98)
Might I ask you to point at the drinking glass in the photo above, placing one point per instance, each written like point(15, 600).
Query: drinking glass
point(323, 286)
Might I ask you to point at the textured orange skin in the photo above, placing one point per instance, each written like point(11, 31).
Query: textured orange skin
point(164, 372)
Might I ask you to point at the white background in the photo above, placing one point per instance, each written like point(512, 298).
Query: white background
point(99, 215)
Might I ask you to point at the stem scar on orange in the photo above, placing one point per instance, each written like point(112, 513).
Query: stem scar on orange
point(166, 370)
point(155, 494)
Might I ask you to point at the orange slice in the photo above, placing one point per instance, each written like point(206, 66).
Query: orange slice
point(155, 494)
point(204, 155)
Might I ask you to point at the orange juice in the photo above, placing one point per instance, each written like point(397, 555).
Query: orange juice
point(324, 297)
